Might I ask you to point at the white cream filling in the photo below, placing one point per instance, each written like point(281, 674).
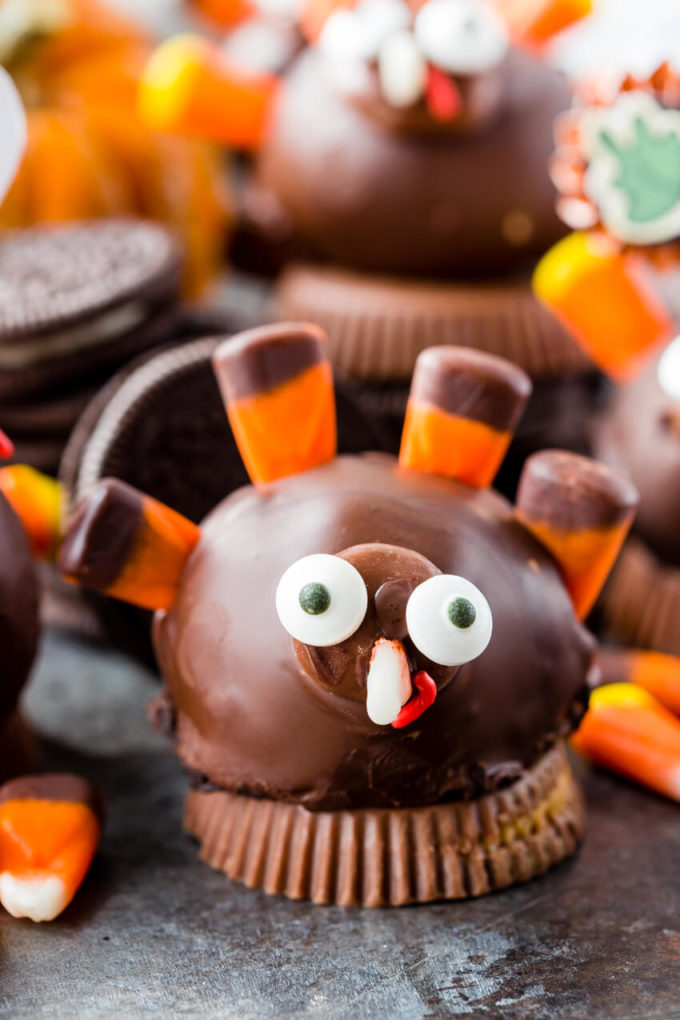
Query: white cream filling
point(29, 351)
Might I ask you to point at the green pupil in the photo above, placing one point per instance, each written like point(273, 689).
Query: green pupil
point(315, 598)
point(462, 613)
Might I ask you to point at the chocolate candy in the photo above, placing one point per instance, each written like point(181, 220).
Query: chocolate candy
point(129, 546)
point(49, 832)
point(461, 414)
point(277, 381)
point(582, 512)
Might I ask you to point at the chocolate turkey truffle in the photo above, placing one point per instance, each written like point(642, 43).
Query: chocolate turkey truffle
point(371, 663)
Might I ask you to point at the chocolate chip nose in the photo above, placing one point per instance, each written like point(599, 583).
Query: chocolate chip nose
point(390, 607)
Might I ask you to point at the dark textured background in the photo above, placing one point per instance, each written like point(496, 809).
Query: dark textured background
point(155, 933)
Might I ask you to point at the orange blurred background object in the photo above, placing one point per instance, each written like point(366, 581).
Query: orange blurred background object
point(626, 729)
point(191, 87)
point(605, 299)
point(89, 155)
point(223, 13)
point(533, 23)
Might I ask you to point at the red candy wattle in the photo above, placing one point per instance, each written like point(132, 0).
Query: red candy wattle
point(443, 97)
point(413, 709)
point(6, 445)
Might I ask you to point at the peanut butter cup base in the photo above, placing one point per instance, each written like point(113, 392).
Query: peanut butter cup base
point(378, 325)
point(392, 857)
point(641, 603)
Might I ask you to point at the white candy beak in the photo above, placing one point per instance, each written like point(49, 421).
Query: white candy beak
point(388, 685)
point(40, 897)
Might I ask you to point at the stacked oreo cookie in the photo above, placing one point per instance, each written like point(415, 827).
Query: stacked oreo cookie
point(76, 303)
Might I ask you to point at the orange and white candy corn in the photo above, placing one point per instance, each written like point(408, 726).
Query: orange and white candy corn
point(626, 729)
point(36, 499)
point(605, 299)
point(225, 13)
point(49, 833)
point(190, 86)
point(533, 23)
point(581, 512)
point(127, 545)
point(277, 386)
point(461, 414)
point(657, 673)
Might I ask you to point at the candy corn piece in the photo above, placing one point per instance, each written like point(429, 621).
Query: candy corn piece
point(225, 13)
point(6, 445)
point(191, 87)
point(49, 832)
point(461, 414)
point(627, 730)
point(36, 500)
point(277, 387)
point(581, 512)
point(128, 545)
point(604, 298)
point(533, 23)
point(657, 673)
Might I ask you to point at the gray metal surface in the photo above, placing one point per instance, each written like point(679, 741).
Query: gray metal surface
point(155, 933)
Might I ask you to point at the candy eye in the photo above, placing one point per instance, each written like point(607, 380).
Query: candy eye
point(321, 600)
point(461, 37)
point(449, 620)
point(359, 34)
point(669, 370)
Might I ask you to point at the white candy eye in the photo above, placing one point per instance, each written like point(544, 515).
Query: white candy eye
point(669, 370)
point(461, 36)
point(321, 600)
point(359, 34)
point(449, 620)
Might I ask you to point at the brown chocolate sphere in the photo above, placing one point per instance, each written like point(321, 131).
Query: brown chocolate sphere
point(249, 719)
point(386, 198)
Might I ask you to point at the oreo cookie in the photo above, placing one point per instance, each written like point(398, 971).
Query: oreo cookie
point(77, 302)
point(160, 425)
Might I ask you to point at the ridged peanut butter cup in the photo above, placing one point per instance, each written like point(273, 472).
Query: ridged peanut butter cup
point(392, 857)
point(641, 603)
point(378, 325)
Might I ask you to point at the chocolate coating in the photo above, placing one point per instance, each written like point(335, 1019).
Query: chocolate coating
point(639, 436)
point(54, 786)
point(18, 609)
point(380, 200)
point(590, 495)
point(261, 359)
point(104, 531)
point(473, 385)
point(250, 720)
